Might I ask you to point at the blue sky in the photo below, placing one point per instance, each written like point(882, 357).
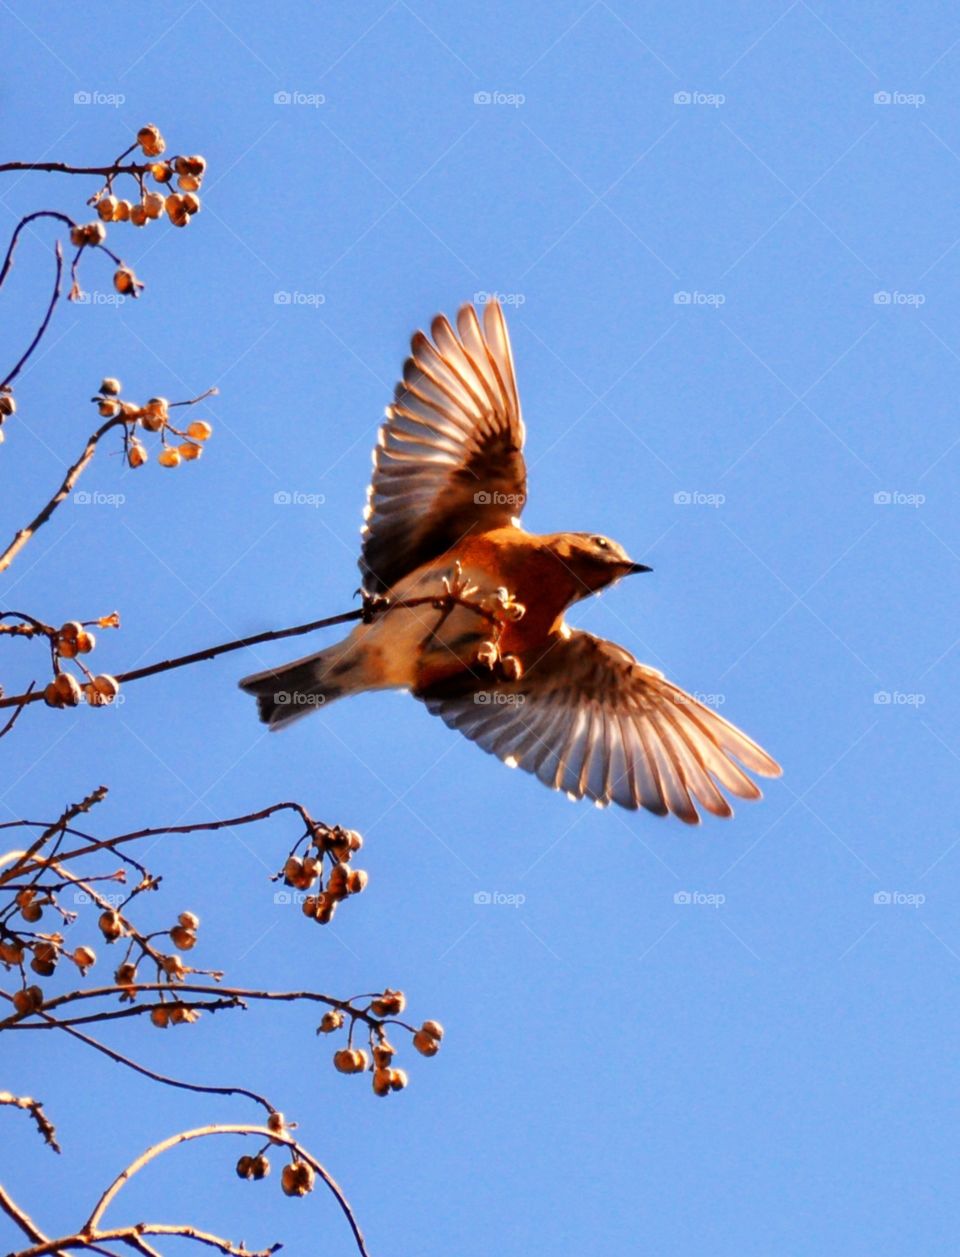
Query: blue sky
point(726, 236)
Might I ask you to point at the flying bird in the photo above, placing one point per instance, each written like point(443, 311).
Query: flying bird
point(466, 606)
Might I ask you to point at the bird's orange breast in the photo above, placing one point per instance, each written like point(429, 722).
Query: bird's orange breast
point(523, 565)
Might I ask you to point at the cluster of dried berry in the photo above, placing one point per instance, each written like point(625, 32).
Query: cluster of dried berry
point(179, 207)
point(381, 1009)
point(43, 951)
point(153, 416)
point(297, 1177)
point(70, 641)
point(337, 846)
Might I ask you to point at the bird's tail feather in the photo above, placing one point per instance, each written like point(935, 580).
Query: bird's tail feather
point(286, 693)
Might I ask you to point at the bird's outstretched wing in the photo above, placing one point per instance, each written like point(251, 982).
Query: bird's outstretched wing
point(449, 458)
point(586, 718)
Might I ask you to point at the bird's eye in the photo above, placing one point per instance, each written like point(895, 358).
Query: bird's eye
point(601, 543)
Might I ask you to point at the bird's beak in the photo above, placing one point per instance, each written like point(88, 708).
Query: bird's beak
point(634, 568)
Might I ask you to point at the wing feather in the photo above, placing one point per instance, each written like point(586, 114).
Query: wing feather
point(587, 719)
point(449, 458)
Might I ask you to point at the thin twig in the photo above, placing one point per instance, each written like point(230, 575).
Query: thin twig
point(35, 1109)
point(204, 1132)
point(70, 479)
point(272, 635)
point(54, 298)
point(61, 168)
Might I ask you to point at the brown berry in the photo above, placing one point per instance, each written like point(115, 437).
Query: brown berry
point(426, 1044)
point(84, 958)
point(28, 1000)
point(169, 457)
point(111, 925)
point(153, 204)
point(85, 642)
point(389, 1004)
point(151, 140)
point(381, 1082)
point(183, 938)
point(126, 282)
point(331, 1021)
point(137, 454)
point(45, 957)
point(297, 1178)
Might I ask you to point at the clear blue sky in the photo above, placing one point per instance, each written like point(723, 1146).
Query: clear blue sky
point(622, 1073)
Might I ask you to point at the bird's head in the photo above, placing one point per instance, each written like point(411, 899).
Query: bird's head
point(593, 560)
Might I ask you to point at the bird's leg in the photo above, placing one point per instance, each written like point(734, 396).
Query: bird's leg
point(372, 605)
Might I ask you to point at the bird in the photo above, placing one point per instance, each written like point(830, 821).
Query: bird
point(465, 608)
